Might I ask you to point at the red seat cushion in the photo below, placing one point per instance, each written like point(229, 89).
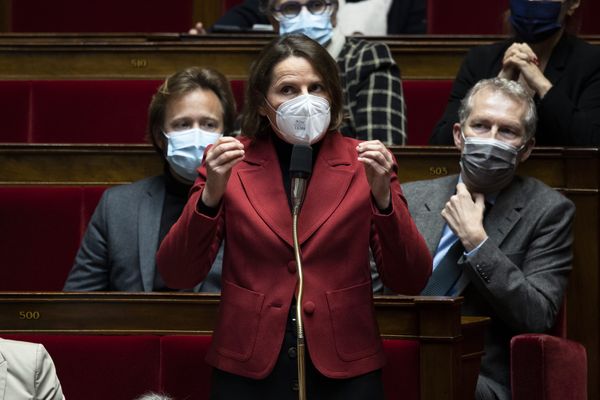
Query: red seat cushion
point(401, 372)
point(91, 197)
point(238, 87)
point(14, 111)
point(545, 367)
point(101, 16)
point(91, 111)
point(425, 103)
point(185, 374)
point(467, 17)
point(103, 367)
point(41, 231)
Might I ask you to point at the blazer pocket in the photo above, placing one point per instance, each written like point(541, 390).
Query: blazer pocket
point(355, 330)
point(239, 317)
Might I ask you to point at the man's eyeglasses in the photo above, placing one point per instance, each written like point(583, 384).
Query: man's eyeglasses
point(290, 9)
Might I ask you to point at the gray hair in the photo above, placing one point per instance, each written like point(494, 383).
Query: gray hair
point(153, 396)
point(509, 88)
point(266, 6)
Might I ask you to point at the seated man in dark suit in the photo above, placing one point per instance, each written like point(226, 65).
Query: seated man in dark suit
point(500, 240)
point(191, 110)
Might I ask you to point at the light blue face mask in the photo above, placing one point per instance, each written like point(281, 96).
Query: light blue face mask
point(317, 27)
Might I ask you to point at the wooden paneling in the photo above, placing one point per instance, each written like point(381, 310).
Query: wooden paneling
point(88, 56)
point(435, 322)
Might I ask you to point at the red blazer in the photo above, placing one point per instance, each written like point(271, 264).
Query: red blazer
point(337, 224)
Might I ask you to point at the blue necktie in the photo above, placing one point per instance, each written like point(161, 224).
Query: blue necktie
point(446, 273)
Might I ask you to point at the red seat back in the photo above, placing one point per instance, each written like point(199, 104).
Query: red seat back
point(101, 16)
point(466, 17)
point(14, 111)
point(425, 103)
point(41, 231)
point(103, 367)
point(91, 111)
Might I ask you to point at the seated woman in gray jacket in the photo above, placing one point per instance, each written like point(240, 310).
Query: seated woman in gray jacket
point(190, 110)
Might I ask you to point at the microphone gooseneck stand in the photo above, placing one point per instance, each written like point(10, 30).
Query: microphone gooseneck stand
point(300, 170)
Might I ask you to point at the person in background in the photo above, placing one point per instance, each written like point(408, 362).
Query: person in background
point(560, 71)
point(403, 17)
point(501, 241)
point(373, 99)
point(27, 372)
point(191, 109)
point(353, 203)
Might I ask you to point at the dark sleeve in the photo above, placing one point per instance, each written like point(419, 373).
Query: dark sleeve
point(90, 270)
point(481, 62)
point(243, 15)
point(407, 16)
point(569, 114)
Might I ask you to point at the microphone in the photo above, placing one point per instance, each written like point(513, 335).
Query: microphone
point(300, 170)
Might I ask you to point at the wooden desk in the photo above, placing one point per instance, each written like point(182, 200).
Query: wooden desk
point(574, 171)
point(131, 56)
point(450, 346)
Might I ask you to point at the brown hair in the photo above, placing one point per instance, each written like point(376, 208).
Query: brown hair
point(253, 123)
point(183, 82)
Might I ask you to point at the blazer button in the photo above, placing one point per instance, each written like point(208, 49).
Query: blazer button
point(292, 267)
point(309, 307)
point(292, 352)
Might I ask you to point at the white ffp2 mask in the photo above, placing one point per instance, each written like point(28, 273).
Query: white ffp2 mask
point(303, 119)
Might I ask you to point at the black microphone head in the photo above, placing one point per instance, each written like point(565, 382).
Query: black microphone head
point(301, 161)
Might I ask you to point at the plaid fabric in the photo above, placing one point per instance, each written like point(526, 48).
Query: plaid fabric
point(374, 105)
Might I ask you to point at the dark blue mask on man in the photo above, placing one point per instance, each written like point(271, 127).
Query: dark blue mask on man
point(535, 21)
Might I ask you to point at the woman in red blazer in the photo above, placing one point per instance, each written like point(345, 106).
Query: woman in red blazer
point(353, 203)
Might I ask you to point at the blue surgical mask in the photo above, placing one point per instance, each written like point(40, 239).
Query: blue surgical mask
point(185, 150)
point(535, 21)
point(317, 27)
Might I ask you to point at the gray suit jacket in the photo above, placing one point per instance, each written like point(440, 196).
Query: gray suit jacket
point(118, 250)
point(27, 372)
point(519, 275)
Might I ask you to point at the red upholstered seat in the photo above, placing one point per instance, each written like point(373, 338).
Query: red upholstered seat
point(101, 16)
point(425, 103)
point(91, 111)
point(103, 367)
point(41, 231)
point(14, 111)
point(122, 367)
point(401, 372)
point(451, 17)
point(545, 367)
point(185, 374)
point(227, 4)
point(238, 88)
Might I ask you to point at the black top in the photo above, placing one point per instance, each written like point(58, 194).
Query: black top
point(176, 196)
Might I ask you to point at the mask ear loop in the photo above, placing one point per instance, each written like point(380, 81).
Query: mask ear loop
point(273, 124)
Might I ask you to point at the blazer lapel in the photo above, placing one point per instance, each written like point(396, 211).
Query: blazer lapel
point(261, 179)
point(3, 376)
point(262, 182)
point(149, 214)
point(331, 178)
point(505, 213)
point(428, 217)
